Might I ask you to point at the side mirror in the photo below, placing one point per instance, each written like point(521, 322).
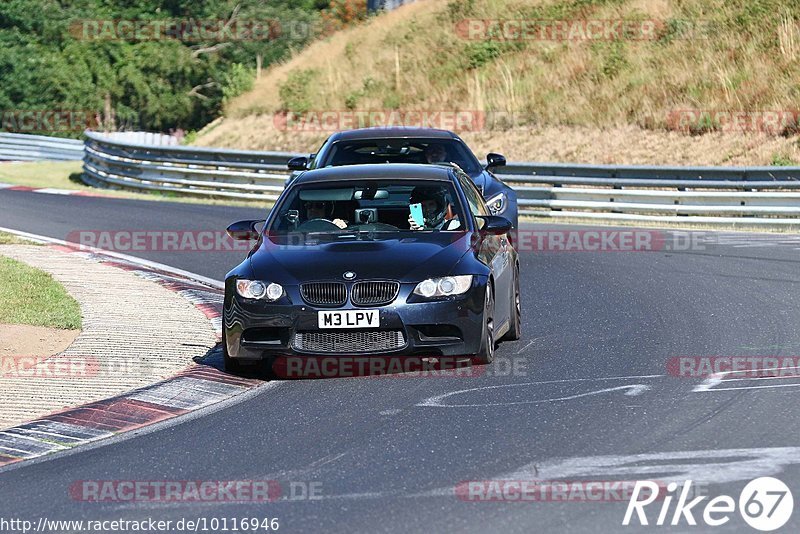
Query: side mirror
point(495, 160)
point(298, 164)
point(243, 230)
point(492, 224)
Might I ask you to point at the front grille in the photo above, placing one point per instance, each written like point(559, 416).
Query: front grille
point(374, 293)
point(349, 342)
point(324, 293)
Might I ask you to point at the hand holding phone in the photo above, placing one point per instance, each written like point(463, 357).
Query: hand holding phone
point(416, 214)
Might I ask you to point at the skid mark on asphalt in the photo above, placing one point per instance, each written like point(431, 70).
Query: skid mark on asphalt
point(703, 467)
point(712, 383)
point(436, 402)
point(527, 345)
point(630, 390)
point(724, 381)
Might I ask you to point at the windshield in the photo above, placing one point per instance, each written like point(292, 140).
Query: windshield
point(371, 207)
point(399, 151)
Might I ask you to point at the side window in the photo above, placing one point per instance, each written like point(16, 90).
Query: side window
point(316, 158)
point(476, 203)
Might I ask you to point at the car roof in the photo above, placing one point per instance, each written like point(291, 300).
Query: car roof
point(405, 171)
point(398, 132)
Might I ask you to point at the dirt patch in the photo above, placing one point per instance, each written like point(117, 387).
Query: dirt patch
point(24, 340)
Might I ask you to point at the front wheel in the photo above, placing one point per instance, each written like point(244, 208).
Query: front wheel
point(230, 365)
point(486, 353)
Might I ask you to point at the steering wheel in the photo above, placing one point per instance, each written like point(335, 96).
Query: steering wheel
point(378, 227)
point(317, 225)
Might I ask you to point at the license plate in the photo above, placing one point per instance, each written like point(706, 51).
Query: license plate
point(349, 319)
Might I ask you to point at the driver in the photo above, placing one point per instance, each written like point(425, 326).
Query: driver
point(438, 213)
point(435, 153)
point(322, 209)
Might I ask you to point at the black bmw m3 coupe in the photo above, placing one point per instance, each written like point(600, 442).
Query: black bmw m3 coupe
point(391, 260)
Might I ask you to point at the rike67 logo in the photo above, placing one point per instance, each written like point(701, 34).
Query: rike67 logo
point(766, 504)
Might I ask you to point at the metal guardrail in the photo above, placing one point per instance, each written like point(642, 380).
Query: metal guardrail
point(23, 147)
point(749, 196)
point(144, 138)
point(186, 170)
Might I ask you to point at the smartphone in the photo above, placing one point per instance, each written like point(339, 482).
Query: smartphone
point(416, 214)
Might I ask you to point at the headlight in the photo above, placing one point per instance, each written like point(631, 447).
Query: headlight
point(255, 289)
point(497, 204)
point(443, 287)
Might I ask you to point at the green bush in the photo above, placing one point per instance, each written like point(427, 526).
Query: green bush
point(782, 160)
point(482, 52)
point(51, 60)
point(239, 79)
point(351, 100)
point(392, 100)
point(296, 93)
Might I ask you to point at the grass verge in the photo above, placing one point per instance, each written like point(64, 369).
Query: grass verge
point(10, 239)
point(30, 296)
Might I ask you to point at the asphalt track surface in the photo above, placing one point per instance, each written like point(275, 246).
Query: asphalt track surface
point(386, 453)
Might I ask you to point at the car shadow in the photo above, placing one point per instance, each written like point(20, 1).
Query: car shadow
point(214, 358)
point(327, 367)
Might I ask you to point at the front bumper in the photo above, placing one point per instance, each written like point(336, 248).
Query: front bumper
point(256, 330)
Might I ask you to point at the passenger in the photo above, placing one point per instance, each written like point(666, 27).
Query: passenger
point(437, 212)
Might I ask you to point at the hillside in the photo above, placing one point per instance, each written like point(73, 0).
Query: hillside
point(702, 81)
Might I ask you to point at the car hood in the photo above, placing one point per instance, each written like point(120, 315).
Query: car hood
point(408, 258)
point(482, 180)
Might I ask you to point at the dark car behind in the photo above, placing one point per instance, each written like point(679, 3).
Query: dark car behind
point(408, 145)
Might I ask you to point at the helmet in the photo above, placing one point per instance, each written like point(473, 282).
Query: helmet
point(427, 192)
point(327, 205)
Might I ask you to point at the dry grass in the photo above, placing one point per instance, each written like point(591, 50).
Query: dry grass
point(590, 101)
point(634, 146)
point(577, 144)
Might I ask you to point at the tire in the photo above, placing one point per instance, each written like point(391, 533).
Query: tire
point(515, 326)
point(486, 352)
point(230, 365)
